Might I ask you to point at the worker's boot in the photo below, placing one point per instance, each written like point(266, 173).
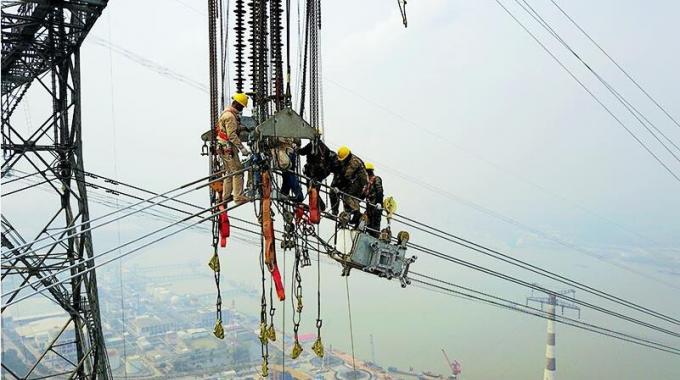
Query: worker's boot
point(239, 197)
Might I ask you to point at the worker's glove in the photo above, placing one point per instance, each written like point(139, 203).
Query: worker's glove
point(245, 151)
point(379, 207)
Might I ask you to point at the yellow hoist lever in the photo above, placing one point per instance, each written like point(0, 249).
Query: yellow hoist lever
point(390, 206)
point(318, 347)
point(214, 263)
point(299, 303)
point(297, 350)
point(265, 368)
point(219, 330)
point(264, 334)
point(271, 333)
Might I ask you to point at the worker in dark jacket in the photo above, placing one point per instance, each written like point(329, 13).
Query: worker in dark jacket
point(350, 180)
point(373, 192)
point(321, 162)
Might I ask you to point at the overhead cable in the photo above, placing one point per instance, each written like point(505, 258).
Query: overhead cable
point(597, 99)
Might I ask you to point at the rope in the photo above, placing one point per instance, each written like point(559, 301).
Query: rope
point(351, 329)
point(349, 306)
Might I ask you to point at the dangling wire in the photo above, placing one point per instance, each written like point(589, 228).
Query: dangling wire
point(349, 306)
point(402, 10)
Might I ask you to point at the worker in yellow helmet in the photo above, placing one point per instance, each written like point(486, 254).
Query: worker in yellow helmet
point(229, 145)
point(373, 192)
point(350, 179)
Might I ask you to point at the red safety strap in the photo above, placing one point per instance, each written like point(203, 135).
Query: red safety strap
point(314, 214)
point(278, 284)
point(224, 226)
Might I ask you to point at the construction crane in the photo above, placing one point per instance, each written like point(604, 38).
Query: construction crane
point(454, 366)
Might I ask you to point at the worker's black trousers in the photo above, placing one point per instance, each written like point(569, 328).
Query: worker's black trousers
point(374, 216)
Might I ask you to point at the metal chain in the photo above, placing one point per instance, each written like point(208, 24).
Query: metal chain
point(317, 347)
point(264, 339)
point(297, 305)
point(271, 332)
point(214, 262)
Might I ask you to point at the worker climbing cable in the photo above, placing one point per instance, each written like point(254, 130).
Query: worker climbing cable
point(229, 145)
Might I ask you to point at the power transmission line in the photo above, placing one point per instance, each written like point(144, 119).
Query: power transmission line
point(510, 305)
point(63, 280)
point(530, 267)
point(629, 107)
point(595, 97)
point(162, 70)
point(524, 265)
point(533, 286)
point(89, 228)
point(629, 76)
point(257, 233)
point(529, 285)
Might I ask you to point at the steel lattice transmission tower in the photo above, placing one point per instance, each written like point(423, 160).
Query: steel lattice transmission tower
point(41, 40)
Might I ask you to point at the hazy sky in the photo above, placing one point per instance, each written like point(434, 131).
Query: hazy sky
point(473, 127)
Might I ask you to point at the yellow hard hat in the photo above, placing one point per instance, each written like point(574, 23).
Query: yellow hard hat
point(369, 166)
point(343, 152)
point(241, 99)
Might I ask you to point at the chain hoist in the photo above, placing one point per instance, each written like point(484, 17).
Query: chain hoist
point(214, 163)
point(297, 305)
point(317, 347)
point(263, 335)
point(271, 331)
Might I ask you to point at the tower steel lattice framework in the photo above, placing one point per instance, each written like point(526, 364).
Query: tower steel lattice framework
point(41, 41)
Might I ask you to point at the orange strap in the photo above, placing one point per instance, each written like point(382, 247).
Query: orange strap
point(268, 234)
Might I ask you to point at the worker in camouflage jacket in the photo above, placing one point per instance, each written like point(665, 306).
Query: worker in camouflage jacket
point(373, 192)
point(229, 145)
point(350, 179)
